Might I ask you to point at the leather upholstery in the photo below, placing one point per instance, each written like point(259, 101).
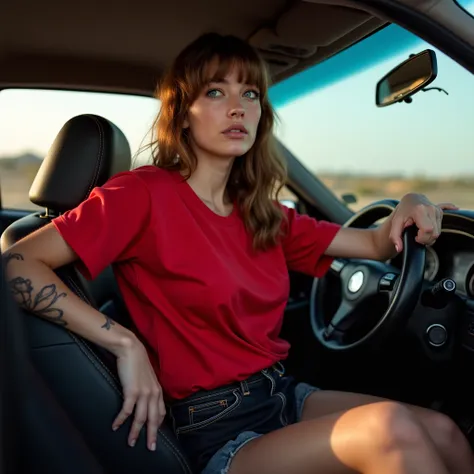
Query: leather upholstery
point(89, 149)
point(22, 227)
point(31, 420)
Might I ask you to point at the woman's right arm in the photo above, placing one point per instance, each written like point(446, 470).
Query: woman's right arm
point(30, 265)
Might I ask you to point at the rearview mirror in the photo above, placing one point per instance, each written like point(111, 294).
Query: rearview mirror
point(407, 79)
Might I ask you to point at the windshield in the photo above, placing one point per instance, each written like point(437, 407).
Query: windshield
point(329, 121)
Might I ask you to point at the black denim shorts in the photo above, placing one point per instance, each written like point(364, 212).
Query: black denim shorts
point(213, 425)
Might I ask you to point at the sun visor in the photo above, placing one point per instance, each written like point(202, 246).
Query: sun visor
point(302, 30)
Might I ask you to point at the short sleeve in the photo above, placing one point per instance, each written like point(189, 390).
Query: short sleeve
point(305, 242)
point(107, 226)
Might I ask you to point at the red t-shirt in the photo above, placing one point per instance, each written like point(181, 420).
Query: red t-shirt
point(209, 306)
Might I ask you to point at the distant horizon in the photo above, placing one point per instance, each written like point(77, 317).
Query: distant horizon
point(327, 173)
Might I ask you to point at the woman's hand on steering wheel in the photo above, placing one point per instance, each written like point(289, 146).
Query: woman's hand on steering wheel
point(418, 210)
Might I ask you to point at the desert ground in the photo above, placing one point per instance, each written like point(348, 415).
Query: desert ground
point(459, 191)
point(16, 177)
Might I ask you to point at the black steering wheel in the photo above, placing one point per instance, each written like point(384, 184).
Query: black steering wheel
point(361, 281)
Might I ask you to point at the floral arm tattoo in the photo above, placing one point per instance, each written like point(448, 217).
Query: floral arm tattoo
point(43, 302)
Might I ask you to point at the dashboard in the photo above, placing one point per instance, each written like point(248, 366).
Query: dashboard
point(452, 255)
point(435, 340)
point(432, 264)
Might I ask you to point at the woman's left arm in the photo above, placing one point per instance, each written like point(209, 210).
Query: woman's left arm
point(385, 241)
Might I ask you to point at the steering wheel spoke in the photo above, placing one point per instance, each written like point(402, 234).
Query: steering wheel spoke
point(360, 281)
point(342, 320)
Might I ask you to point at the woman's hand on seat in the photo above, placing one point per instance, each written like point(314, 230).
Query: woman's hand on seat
point(142, 393)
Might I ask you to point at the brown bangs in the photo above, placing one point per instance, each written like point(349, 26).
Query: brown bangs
point(214, 60)
point(248, 72)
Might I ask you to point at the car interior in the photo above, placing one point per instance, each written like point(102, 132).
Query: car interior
point(400, 332)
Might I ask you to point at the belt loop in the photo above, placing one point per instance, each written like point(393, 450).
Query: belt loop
point(244, 387)
point(279, 368)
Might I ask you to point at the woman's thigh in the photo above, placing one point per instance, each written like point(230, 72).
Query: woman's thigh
point(442, 429)
point(355, 440)
point(324, 402)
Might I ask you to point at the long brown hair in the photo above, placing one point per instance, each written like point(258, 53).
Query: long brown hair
point(257, 177)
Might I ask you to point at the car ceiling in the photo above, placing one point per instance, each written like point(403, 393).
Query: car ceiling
point(124, 47)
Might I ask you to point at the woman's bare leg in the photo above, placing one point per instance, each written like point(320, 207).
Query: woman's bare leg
point(450, 442)
point(373, 439)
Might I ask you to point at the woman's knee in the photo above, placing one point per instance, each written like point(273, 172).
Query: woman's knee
point(369, 435)
point(392, 425)
point(443, 430)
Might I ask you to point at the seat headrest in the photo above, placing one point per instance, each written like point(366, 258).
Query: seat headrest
point(87, 151)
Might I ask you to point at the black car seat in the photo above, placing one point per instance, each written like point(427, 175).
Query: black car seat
point(87, 151)
point(36, 434)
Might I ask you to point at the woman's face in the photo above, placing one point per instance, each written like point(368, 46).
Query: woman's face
point(223, 121)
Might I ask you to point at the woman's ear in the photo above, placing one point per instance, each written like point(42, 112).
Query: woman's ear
point(185, 123)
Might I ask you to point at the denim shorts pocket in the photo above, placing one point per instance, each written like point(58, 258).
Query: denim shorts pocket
point(203, 412)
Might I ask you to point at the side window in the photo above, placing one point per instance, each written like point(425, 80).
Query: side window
point(288, 198)
point(30, 120)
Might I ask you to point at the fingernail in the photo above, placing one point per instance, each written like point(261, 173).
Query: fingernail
point(132, 443)
point(115, 428)
point(153, 447)
point(397, 247)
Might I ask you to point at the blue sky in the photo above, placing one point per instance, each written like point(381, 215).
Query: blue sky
point(335, 127)
point(338, 128)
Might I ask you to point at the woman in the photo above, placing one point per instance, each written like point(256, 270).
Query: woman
point(201, 252)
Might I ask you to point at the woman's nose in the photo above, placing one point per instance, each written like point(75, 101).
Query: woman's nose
point(236, 110)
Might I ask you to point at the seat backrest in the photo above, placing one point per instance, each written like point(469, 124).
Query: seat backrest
point(87, 151)
point(31, 420)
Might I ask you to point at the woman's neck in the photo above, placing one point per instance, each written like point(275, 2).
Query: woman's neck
point(209, 182)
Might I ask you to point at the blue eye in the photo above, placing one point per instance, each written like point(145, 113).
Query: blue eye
point(213, 93)
point(253, 95)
